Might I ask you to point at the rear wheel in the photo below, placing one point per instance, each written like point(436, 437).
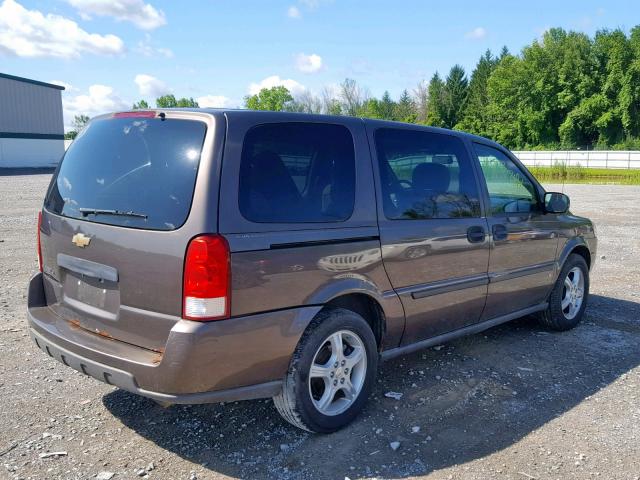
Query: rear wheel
point(568, 298)
point(330, 374)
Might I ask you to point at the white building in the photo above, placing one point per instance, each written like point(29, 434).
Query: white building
point(31, 125)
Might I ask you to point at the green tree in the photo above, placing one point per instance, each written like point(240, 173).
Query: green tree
point(580, 125)
point(436, 105)
point(505, 89)
point(275, 99)
point(405, 109)
point(169, 101)
point(503, 53)
point(455, 89)
point(166, 101)
point(474, 115)
point(629, 96)
point(387, 107)
point(142, 104)
point(558, 77)
point(371, 109)
point(188, 102)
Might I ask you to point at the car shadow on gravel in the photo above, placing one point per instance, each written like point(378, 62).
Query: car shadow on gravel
point(470, 398)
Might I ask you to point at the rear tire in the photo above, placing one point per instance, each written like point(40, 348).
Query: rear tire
point(331, 372)
point(568, 298)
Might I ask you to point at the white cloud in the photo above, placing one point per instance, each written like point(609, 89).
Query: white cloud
point(294, 12)
point(477, 33)
point(29, 33)
point(213, 101)
point(99, 99)
point(149, 86)
point(148, 50)
point(308, 63)
point(273, 81)
point(142, 15)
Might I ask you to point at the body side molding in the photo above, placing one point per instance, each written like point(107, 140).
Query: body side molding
point(461, 332)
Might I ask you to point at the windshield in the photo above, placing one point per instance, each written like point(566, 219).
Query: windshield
point(131, 172)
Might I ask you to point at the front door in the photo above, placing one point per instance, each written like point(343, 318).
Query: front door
point(524, 239)
point(435, 243)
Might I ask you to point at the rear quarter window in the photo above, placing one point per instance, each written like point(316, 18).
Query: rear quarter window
point(425, 175)
point(133, 172)
point(297, 173)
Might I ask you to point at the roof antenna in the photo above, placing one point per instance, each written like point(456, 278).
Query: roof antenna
point(162, 116)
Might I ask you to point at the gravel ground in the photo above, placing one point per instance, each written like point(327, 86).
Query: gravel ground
point(515, 402)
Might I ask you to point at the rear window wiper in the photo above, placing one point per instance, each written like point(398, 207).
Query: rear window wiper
point(101, 211)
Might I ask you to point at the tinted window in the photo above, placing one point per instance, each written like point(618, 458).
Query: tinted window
point(146, 166)
point(297, 172)
point(425, 175)
point(510, 191)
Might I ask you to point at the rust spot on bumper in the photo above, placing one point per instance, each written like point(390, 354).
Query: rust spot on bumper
point(104, 334)
point(75, 323)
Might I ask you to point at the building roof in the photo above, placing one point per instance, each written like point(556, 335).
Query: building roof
point(33, 82)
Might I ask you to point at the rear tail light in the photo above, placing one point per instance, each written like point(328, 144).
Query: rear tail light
point(207, 279)
point(39, 243)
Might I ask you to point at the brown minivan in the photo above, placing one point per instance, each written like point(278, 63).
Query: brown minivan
point(196, 256)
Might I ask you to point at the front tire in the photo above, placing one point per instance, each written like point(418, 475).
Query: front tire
point(568, 298)
point(331, 372)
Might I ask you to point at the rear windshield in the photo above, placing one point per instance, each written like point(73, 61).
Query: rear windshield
point(131, 172)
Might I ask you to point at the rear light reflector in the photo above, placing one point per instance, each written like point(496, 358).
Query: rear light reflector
point(39, 243)
point(207, 279)
point(136, 114)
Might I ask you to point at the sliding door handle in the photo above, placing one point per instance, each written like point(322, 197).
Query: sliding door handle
point(475, 234)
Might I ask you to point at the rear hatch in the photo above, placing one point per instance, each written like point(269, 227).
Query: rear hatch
point(116, 223)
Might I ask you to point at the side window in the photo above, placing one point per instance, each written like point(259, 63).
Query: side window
point(510, 191)
point(297, 172)
point(425, 175)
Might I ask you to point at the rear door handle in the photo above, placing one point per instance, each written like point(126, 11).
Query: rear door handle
point(499, 232)
point(475, 234)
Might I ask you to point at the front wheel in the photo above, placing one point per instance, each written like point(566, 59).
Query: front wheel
point(568, 298)
point(331, 373)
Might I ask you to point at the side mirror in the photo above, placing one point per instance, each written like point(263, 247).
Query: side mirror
point(555, 202)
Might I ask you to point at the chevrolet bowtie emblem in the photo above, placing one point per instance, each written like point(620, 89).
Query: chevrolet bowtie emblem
point(81, 240)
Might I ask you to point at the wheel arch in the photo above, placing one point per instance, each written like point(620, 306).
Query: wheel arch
point(367, 307)
point(578, 246)
point(381, 309)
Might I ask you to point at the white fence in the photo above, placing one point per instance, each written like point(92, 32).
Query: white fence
point(588, 158)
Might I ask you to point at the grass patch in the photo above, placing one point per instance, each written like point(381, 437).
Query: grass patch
point(561, 173)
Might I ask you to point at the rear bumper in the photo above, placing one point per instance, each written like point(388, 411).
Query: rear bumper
point(203, 362)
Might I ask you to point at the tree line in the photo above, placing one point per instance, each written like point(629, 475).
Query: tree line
point(564, 91)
